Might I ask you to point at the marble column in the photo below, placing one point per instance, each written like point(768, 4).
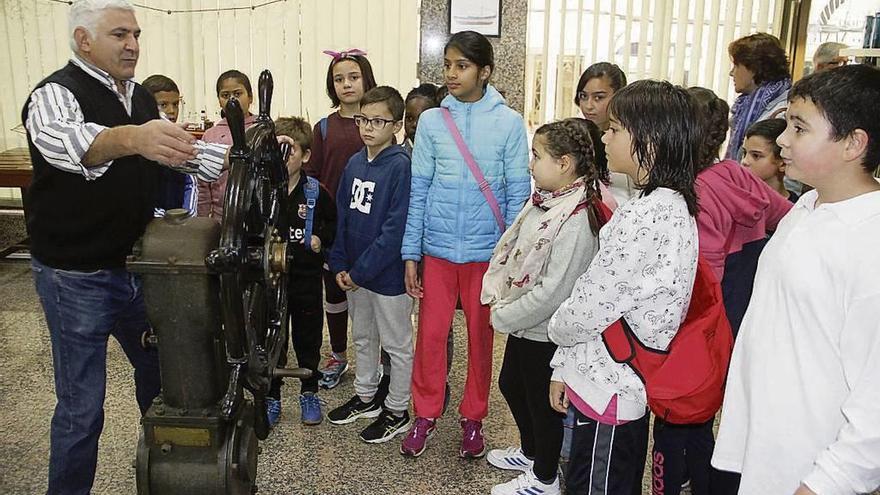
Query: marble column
point(510, 48)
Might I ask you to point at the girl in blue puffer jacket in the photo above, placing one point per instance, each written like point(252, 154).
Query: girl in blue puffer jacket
point(452, 228)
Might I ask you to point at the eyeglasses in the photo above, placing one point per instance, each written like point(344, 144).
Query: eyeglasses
point(375, 123)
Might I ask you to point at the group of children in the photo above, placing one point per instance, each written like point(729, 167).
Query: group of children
point(449, 217)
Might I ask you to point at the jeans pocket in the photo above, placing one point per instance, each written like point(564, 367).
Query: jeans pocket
point(92, 287)
point(77, 273)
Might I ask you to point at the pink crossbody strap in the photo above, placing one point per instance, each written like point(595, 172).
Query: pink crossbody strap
point(475, 169)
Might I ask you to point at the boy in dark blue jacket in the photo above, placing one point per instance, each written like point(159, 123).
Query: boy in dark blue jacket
point(177, 189)
point(372, 203)
point(311, 222)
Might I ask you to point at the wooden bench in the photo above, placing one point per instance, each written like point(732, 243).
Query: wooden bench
point(15, 171)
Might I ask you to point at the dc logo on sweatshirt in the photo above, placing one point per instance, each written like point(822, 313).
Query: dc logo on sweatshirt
point(362, 195)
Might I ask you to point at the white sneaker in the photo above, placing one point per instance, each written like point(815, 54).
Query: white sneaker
point(509, 458)
point(526, 484)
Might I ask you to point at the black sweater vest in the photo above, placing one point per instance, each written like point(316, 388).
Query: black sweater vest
point(80, 224)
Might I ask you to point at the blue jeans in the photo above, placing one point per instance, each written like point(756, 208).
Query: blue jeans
point(83, 309)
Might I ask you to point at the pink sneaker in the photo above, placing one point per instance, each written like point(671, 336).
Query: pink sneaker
point(417, 439)
point(472, 443)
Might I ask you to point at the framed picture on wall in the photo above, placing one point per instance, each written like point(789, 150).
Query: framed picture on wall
point(482, 16)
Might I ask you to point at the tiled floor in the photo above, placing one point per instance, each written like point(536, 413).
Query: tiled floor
point(325, 459)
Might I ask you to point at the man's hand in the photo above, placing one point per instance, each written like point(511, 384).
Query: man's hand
point(413, 280)
point(558, 397)
point(157, 140)
point(163, 142)
point(316, 244)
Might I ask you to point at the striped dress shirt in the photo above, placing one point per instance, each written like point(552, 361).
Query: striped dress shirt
point(58, 129)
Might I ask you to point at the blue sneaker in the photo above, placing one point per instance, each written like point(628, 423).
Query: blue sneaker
point(332, 372)
point(310, 408)
point(273, 410)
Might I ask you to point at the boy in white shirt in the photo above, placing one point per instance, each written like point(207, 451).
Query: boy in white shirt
point(802, 406)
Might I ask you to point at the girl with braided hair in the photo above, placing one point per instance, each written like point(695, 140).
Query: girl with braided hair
point(532, 271)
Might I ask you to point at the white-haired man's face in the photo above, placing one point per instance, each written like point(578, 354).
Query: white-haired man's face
point(113, 47)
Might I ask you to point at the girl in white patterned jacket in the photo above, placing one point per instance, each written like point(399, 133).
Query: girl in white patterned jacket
point(644, 272)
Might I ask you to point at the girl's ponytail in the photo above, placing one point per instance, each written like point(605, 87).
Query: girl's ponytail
point(714, 112)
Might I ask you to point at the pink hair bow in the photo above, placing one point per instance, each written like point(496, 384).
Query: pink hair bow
point(351, 52)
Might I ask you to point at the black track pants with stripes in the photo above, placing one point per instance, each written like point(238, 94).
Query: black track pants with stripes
point(606, 459)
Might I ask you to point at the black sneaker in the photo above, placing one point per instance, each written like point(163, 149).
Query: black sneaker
point(386, 427)
point(352, 410)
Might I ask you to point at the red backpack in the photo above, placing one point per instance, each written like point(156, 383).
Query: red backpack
point(685, 383)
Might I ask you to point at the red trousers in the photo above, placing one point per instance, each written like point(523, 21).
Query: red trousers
point(443, 283)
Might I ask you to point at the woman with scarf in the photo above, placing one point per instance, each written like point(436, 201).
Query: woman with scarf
point(760, 76)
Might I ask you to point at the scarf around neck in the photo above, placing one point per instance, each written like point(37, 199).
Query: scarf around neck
point(520, 257)
point(747, 108)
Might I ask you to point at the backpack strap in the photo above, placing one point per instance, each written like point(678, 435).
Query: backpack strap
point(322, 124)
point(311, 189)
point(475, 169)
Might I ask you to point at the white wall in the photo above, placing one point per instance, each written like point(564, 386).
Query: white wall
point(194, 48)
point(682, 41)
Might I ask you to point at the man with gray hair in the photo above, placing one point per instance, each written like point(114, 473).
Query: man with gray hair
point(98, 149)
point(828, 56)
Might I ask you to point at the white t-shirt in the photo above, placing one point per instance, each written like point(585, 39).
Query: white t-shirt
point(802, 403)
point(622, 187)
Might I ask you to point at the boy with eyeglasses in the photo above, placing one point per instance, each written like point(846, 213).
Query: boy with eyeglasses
point(372, 203)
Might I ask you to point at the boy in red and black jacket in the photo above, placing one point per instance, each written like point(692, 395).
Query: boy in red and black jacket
point(311, 220)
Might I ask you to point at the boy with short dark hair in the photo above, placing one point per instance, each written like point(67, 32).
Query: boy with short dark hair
point(176, 189)
point(166, 93)
point(311, 220)
point(372, 203)
point(801, 405)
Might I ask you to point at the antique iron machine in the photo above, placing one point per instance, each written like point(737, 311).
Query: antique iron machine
point(216, 298)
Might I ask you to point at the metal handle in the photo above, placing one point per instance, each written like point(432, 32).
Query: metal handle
point(300, 373)
point(265, 90)
point(235, 119)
